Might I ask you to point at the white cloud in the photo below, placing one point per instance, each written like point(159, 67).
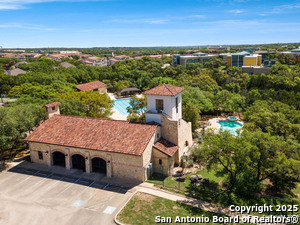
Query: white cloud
point(148, 21)
point(197, 16)
point(21, 4)
point(281, 9)
point(237, 11)
point(32, 27)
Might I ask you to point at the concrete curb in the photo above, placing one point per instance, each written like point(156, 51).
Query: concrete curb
point(115, 218)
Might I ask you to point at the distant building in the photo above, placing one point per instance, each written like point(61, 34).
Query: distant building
point(198, 57)
point(67, 65)
point(296, 53)
point(15, 72)
point(220, 48)
point(237, 59)
point(69, 52)
point(252, 60)
point(93, 86)
point(258, 69)
point(118, 58)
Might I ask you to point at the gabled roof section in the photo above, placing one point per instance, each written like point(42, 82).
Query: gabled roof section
point(67, 64)
point(52, 104)
point(166, 147)
point(164, 89)
point(94, 134)
point(90, 86)
point(15, 72)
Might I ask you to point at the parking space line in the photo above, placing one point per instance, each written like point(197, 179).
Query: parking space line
point(44, 178)
point(71, 183)
point(29, 176)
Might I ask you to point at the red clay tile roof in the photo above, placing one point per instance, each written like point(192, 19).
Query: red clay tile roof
point(166, 147)
point(164, 89)
point(52, 104)
point(95, 134)
point(90, 86)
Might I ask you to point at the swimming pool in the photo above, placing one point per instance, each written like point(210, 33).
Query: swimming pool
point(231, 126)
point(121, 105)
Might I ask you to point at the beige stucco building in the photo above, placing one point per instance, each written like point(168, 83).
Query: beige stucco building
point(115, 148)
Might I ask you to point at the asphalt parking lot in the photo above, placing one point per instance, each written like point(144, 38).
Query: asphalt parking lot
point(31, 196)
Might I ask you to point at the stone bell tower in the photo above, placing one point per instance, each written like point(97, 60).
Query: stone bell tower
point(164, 106)
point(52, 109)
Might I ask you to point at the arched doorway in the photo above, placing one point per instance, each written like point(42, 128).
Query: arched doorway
point(99, 165)
point(59, 159)
point(78, 162)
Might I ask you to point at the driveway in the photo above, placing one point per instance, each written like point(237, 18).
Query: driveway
point(32, 196)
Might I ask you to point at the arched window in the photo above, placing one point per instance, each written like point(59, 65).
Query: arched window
point(186, 143)
point(159, 161)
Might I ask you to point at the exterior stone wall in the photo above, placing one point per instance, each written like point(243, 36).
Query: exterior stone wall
point(167, 163)
point(169, 129)
point(102, 90)
point(178, 132)
point(256, 70)
point(118, 165)
point(50, 112)
point(185, 137)
point(148, 153)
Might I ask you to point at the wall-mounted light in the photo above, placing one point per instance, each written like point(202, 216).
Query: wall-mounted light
point(46, 152)
point(66, 154)
point(86, 157)
point(108, 161)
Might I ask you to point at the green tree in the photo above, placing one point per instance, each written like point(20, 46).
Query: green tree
point(136, 109)
point(191, 114)
point(96, 104)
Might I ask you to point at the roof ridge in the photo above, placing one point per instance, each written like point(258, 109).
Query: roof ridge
point(166, 85)
point(106, 119)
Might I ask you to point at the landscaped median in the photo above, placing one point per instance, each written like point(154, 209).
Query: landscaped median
point(146, 209)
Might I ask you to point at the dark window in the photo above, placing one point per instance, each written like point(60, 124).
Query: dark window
point(159, 105)
point(176, 101)
point(40, 155)
point(46, 109)
point(159, 161)
point(53, 108)
point(186, 143)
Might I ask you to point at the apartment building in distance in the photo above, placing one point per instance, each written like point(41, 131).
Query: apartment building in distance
point(198, 57)
point(112, 60)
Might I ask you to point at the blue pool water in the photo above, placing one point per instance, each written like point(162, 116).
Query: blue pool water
point(121, 105)
point(233, 118)
point(231, 126)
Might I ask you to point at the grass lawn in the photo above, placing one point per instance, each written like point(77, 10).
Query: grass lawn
point(296, 190)
point(213, 192)
point(143, 208)
point(170, 182)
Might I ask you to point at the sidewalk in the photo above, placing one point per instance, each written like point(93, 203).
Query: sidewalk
point(150, 189)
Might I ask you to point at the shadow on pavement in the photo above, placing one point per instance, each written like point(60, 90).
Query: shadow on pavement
point(74, 176)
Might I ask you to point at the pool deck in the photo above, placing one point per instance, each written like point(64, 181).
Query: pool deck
point(214, 125)
point(117, 115)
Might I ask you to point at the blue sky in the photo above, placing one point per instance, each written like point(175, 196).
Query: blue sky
point(105, 23)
